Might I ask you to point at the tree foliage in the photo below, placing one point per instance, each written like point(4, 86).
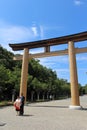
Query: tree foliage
point(42, 81)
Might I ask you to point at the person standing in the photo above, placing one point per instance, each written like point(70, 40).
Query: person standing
point(17, 105)
point(22, 98)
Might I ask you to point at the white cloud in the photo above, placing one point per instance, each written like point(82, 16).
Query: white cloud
point(54, 62)
point(16, 34)
point(78, 2)
point(81, 58)
point(34, 30)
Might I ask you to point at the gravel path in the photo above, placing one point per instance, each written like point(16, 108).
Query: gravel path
point(53, 115)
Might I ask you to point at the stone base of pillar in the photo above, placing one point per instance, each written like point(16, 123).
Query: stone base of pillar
point(75, 107)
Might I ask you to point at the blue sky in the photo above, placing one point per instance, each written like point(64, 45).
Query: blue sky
point(31, 20)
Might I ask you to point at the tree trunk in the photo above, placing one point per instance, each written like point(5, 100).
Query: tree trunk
point(38, 96)
point(32, 95)
point(43, 97)
point(47, 95)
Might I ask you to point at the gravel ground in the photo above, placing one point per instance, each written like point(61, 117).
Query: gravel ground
point(53, 115)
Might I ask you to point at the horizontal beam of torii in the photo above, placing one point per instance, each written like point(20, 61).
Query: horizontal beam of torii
point(54, 53)
point(50, 42)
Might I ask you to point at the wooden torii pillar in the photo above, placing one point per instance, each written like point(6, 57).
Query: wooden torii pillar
point(75, 103)
point(24, 73)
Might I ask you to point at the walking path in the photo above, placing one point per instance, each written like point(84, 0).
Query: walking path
point(53, 115)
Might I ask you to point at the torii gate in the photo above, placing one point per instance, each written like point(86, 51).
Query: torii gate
point(71, 51)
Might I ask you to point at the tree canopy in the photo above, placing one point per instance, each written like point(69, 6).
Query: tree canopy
point(42, 81)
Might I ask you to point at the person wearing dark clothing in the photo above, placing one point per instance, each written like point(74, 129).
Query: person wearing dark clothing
point(22, 104)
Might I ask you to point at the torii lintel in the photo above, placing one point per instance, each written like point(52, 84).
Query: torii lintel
point(50, 42)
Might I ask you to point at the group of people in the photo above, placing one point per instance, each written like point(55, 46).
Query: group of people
point(19, 104)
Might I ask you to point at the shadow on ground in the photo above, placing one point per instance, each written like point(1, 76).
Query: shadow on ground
point(84, 109)
point(2, 124)
point(26, 115)
point(50, 106)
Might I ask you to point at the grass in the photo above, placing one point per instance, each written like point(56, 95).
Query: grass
point(5, 103)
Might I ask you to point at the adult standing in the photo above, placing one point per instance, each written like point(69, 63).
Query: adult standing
point(22, 104)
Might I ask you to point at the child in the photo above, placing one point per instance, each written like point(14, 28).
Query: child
point(17, 104)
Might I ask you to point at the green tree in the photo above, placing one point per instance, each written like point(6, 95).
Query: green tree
point(5, 87)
